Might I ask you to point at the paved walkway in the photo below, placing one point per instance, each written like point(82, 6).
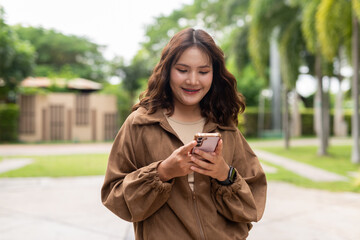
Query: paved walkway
point(302, 169)
point(70, 208)
point(10, 164)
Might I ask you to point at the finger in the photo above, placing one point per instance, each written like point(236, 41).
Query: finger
point(219, 147)
point(187, 148)
point(201, 163)
point(204, 155)
point(200, 170)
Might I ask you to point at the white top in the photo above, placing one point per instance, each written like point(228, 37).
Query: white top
point(186, 132)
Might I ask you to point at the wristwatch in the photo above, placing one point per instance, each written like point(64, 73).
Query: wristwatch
point(231, 177)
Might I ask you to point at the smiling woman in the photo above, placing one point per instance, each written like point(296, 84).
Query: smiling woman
point(156, 181)
point(190, 80)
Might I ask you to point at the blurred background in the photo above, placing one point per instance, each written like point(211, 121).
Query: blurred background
point(71, 70)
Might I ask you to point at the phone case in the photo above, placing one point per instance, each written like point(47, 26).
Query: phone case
point(206, 142)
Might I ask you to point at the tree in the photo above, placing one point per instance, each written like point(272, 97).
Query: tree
point(57, 53)
point(355, 158)
point(131, 74)
point(16, 60)
point(278, 20)
point(337, 26)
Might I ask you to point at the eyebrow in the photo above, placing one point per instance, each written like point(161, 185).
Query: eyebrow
point(184, 65)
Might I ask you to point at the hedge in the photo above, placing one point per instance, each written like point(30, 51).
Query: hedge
point(248, 122)
point(9, 114)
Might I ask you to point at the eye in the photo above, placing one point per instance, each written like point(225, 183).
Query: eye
point(182, 70)
point(203, 73)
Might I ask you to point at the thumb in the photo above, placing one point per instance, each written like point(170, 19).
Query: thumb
point(219, 147)
point(187, 148)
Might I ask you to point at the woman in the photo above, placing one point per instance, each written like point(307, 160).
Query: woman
point(155, 182)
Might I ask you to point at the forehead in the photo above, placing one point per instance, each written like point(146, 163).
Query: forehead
point(194, 56)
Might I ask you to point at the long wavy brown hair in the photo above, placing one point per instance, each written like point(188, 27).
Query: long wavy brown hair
point(221, 104)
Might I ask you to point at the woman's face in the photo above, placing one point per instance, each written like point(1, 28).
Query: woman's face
point(190, 78)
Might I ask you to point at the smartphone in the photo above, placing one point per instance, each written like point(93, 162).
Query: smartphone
point(206, 142)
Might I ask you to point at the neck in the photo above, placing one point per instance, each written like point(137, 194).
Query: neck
point(187, 113)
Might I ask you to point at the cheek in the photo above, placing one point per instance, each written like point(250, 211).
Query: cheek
point(207, 81)
point(175, 78)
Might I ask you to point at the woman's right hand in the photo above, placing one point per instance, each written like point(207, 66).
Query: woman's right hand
point(177, 164)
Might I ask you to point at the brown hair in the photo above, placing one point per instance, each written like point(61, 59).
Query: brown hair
point(221, 104)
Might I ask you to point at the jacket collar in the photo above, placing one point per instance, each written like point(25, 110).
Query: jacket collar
point(143, 118)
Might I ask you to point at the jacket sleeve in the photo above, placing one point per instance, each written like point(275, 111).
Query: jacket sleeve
point(244, 200)
point(132, 193)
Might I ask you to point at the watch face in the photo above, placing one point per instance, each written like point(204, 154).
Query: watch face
point(232, 174)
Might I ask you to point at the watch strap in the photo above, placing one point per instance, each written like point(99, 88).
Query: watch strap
point(230, 179)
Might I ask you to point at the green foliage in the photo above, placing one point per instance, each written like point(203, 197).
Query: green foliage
point(9, 122)
point(356, 7)
point(272, 19)
point(250, 85)
point(250, 124)
point(308, 24)
point(291, 44)
point(240, 47)
point(259, 34)
point(131, 75)
point(16, 59)
point(333, 25)
point(124, 102)
point(58, 53)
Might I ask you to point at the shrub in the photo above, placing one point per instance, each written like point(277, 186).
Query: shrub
point(9, 114)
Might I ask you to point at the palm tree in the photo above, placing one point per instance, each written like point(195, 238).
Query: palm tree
point(355, 158)
point(269, 16)
point(337, 27)
point(309, 24)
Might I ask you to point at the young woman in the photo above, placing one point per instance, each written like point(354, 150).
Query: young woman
point(153, 179)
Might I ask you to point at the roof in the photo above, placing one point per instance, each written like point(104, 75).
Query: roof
point(77, 83)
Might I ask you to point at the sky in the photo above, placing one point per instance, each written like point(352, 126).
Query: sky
point(118, 24)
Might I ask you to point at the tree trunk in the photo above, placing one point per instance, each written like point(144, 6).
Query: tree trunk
point(295, 116)
point(286, 127)
point(355, 158)
point(275, 82)
point(322, 128)
point(340, 127)
point(326, 117)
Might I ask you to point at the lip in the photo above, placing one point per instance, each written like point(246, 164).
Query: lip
point(190, 91)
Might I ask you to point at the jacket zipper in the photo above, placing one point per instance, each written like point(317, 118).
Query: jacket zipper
point(202, 235)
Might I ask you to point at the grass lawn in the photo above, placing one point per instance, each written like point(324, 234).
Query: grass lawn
point(338, 161)
point(62, 166)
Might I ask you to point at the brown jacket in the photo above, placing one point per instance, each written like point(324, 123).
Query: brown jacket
point(170, 210)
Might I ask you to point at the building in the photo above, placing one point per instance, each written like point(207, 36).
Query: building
point(66, 116)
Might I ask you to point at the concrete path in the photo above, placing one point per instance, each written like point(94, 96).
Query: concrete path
point(10, 164)
point(294, 213)
point(70, 209)
point(57, 208)
point(302, 169)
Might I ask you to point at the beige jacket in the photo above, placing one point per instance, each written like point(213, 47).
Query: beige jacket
point(170, 210)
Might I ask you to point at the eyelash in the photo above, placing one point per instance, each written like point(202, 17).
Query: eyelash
point(184, 71)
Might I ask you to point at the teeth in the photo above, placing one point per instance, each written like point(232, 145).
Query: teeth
point(191, 90)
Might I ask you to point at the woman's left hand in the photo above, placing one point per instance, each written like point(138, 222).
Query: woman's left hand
point(211, 164)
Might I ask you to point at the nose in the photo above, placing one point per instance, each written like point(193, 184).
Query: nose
point(193, 78)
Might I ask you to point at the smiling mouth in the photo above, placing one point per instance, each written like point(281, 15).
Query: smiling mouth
point(191, 90)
